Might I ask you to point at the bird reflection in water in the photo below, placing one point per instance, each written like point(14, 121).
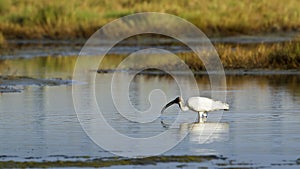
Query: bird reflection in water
point(204, 133)
point(201, 132)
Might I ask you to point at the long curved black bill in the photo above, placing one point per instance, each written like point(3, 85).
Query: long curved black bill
point(168, 105)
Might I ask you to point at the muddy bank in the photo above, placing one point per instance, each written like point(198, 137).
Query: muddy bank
point(238, 72)
point(114, 161)
point(155, 161)
point(10, 84)
point(9, 89)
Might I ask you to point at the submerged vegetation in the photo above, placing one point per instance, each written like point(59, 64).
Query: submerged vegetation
point(107, 162)
point(61, 19)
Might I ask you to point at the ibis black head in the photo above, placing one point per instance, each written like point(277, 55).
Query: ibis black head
point(175, 101)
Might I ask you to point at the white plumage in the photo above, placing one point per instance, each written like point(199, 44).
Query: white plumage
point(202, 105)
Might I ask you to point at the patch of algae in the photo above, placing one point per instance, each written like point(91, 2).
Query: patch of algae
point(107, 162)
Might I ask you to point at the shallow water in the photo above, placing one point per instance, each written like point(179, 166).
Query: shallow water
point(260, 129)
point(26, 49)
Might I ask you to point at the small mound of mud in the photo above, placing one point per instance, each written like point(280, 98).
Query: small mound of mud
point(9, 89)
point(8, 83)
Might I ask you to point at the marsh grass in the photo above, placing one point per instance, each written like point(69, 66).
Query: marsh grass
point(262, 56)
point(279, 56)
point(61, 19)
point(257, 56)
point(2, 41)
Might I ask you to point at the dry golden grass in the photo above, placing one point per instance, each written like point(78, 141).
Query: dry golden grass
point(260, 56)
point(2, 40)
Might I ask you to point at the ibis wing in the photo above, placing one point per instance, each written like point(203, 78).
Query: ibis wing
point(203, 104)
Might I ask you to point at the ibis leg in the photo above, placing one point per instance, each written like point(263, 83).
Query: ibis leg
point(200, 115)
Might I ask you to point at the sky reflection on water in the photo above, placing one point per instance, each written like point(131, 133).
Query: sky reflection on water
point(262, 125)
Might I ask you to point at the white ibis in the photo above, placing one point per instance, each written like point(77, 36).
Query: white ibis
point(202, 105)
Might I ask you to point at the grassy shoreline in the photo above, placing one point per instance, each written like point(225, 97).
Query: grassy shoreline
point(59, 19)
point(284, 55)
point(277, 56)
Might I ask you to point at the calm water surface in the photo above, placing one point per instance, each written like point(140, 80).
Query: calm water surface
point(260, 129)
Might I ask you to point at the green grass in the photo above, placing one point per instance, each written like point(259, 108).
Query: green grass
point(61, 19)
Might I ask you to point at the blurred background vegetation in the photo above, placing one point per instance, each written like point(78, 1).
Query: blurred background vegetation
point(74, 19)
point(62, 19)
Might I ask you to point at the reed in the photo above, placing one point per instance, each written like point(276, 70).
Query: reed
point(2, 41)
